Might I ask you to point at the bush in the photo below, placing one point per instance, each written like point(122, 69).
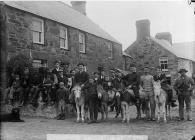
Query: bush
point(17, 64)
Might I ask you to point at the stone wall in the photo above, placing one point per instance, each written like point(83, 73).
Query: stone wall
point(20, 40)
point(148, 53)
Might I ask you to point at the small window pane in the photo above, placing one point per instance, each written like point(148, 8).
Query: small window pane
point(63, 33)
point(37, 26)
point(36, 36)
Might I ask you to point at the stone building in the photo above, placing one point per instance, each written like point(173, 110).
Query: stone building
point(50, 31)
point(160, 51)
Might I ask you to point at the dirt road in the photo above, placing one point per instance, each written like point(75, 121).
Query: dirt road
point(37, 128)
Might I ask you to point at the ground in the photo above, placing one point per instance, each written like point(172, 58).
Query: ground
point(36, 128)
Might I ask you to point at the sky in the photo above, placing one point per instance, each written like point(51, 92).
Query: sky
point(118, 18)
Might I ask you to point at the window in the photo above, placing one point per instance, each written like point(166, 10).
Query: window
point(82, 43)
point(63, 38)
point(37, 63)
point(164, 63)
point(38, 31)
point(110, 50)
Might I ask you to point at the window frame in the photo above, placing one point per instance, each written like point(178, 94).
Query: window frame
point(163, 61)
point(66, 47)
point(83, 43)
point(42, 31)
point(41, 62)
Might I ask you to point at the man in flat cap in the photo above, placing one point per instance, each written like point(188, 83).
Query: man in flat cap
point(184, 86)
point(81, 77)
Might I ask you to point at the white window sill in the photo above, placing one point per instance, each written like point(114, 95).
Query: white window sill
point(41, 43)
point(64, 48)
point(165, 70)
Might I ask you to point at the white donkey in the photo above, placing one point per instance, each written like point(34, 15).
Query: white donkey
point(80, 102)
point(160, 99)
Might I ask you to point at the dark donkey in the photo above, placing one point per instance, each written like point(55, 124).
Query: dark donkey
point(128, 99)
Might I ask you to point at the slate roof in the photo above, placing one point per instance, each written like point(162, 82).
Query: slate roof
point(62, 13)
point(184, 50)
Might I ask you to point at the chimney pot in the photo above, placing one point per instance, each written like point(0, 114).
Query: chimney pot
point(80, 6)
point(143, 29)
point(164, 35)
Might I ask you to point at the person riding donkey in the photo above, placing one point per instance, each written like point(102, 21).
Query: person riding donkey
point(132, 81)
point(165, 86)
point(184, 86)
point(80, 78)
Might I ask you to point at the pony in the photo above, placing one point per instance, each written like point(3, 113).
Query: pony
point(160, 97)
point(103, 98)
point(79, 98)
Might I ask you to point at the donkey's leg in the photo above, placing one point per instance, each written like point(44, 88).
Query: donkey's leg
point(123, 112)
point(158, 111)
point(164, 112)
point(83, 113)
point(106, 110)
point(128, 113)
point(78, 113)
point(102, 111)
point(169, 107)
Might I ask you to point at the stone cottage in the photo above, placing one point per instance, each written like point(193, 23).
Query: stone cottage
point(160, 51)
point(50, 31)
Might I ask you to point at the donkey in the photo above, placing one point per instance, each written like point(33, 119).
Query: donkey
point(160, 99)
point(103, 98)
point(79, 98)
point(128, 99)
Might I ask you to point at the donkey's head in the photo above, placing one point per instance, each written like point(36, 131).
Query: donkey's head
point(157, 88)
point(77, 91)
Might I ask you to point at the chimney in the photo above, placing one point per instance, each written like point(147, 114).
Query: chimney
point(164, 35)
point(143, 29)
point(80, 6)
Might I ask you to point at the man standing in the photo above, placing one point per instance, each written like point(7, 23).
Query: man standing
point(81, 77)
point(147, 84)
point(164, 85)
point(184, 86)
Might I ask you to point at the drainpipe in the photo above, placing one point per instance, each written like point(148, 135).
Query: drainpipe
point(3, 42)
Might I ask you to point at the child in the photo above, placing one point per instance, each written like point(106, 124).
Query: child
point(91, 89)
point(62, 95)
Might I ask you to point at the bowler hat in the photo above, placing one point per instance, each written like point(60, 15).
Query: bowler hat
point(132, 65)
point(80, 64)
point(182, 70)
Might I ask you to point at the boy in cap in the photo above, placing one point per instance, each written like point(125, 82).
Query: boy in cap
point(184, 86)
point(147, 84)
point(62, 96)
point(91, 93)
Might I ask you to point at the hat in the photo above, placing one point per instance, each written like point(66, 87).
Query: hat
point(80, 64)
point(131, 65)
point(95, 73)
point(182, 70)
point(65, 63)
point(57, 62)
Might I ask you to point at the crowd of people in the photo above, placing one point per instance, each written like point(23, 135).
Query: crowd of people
point(54, 87)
